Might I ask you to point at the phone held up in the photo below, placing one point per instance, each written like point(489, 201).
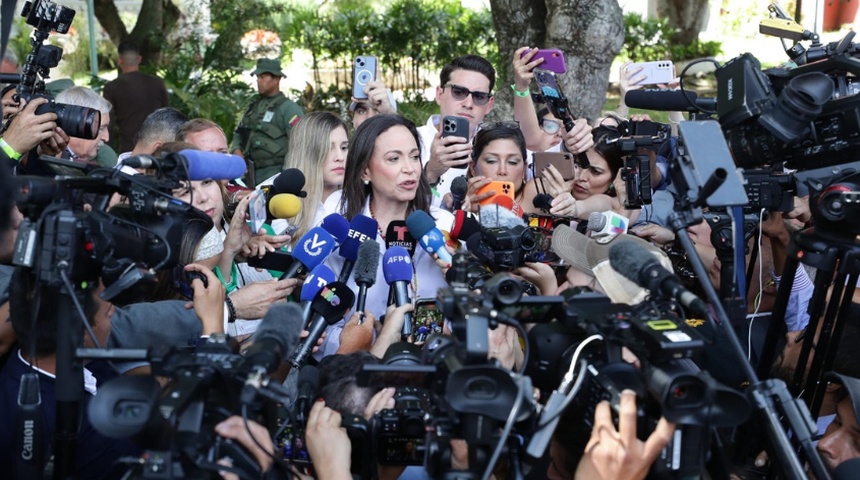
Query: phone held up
point(363, 72)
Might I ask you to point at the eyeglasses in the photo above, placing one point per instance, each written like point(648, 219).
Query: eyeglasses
point(460, 93)
point(551, 127)
point(491, 125)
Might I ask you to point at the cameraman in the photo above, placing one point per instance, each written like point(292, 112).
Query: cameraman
point(25, 130)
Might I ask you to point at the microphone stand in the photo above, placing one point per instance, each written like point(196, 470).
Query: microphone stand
point(764, 393)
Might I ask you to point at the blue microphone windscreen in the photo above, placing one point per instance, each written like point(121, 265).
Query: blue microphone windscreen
point(397, 265)
point(314, 247)
point(316, 279)
point(361, 228)
point(212, 165)
point(337, 226)
point(419, 223)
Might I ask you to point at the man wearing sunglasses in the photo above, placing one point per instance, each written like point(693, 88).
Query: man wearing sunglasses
point(465, 90)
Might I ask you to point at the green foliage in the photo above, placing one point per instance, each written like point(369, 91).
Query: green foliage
point(647, 40)
point(199, 86)
point(410, 38)
point(226, 16)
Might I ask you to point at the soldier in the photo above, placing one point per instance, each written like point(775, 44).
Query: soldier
point(263, 134)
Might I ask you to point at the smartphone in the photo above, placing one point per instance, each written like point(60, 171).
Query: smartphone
point(661, 71)
point(562, 161)
point(553, 60)
point(426, 319)
point(363, 71)
point(553, 96)
point(182, 281)
point(453, 126)
point(278, 260)
point(504, 189)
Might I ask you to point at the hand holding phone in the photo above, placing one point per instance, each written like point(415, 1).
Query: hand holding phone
point(363, 71)
point(502, 188)
point(563, 162)
point(553, 60)
point(453, 126)
point(652, 73)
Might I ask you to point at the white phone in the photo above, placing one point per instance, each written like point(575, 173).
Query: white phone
point(662, 71)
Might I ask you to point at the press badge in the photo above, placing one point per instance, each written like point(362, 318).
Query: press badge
point(267, 117)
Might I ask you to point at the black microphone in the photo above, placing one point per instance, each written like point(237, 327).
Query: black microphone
point(640, 266)
point(397, 235)
point(276, 338)
point(668, 101)
point(366, 267)
point(329, 306)
point(543, 201)
point(309, 380)
point(459, 188)
point(291, 180)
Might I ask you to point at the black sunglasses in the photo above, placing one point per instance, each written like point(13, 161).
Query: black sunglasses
point(460, 93)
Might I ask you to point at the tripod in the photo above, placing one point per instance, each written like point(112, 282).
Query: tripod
point(836, 259)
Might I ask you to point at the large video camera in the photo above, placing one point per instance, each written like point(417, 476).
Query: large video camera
point(640, 143)
point(45, 16)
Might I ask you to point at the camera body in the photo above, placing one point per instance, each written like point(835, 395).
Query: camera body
point(400, 431)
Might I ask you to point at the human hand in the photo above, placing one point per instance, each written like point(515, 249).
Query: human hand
point(304, 334)
point(554, 183)
point(654, 233)
point(617, 454)
point(579, 138)
point(383, 399)
point(540, 275)
point(472, 202)
point(327, 443)
point(234, 428)
point(391, 329)
point(773, 227)
point(253, 300)
point(262, 243)
point(26, 130)
point(55, 145)
point(801, 210)
point(563, 205)
point(446, 152)
point(504, 345)
point(208, 299)
point(356, 336)
point(239, 232)
point(629, 78)
point(377, 97)
point(524, 67)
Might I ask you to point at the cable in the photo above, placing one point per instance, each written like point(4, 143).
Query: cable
point(758, 297)
point(251, 434)
point(71, 288)
point(579, 378)
point(509, 425)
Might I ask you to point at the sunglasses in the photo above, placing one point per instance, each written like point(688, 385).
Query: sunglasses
point(550, 126)
point(460, 93)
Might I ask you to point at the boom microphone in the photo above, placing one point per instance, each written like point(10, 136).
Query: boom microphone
point(397, 269)
point(314, 247)
point(329, 306)
point(194, 164)
point(276, 338)
point(366, 267)
point(318, 278)
point(361, 228)
point(494, 216)
point(668, 101)
point(422, 226)
point(640, 266)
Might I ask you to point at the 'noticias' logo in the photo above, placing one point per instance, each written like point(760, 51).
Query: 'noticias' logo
point(314, 246)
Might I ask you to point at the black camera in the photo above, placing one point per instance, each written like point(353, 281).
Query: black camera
point(400, 431)
point(47, 16)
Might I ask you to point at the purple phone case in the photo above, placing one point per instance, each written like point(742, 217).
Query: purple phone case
point(553, 60)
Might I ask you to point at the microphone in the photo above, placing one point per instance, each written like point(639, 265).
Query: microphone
point(640, 266)
point(422, 226)
point(361, 228)
point(309, 380)
point(337, 226)
point(398, 235)
point(459, 188)
point(543, 201)
point(366, 267)
point(318, 278)
point(291, 180)
point(508, 203)
point(329, 306)
point(397, 269)
point(464, 226)
point(668, 101)
point(310, 251)
point(606, 223)
point(284, 205)
point(197, 164)
point(493, 216)
point(275, 339)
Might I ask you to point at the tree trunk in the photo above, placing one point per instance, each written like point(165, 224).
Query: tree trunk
point(156, 17)
point(689, 16)
point(590, 33)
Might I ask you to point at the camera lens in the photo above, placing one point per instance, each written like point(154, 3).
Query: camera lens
point(80, 122)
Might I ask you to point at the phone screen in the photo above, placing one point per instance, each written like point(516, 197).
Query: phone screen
point(426, 319)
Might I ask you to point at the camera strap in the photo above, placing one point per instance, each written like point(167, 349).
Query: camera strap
point(30, 450)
